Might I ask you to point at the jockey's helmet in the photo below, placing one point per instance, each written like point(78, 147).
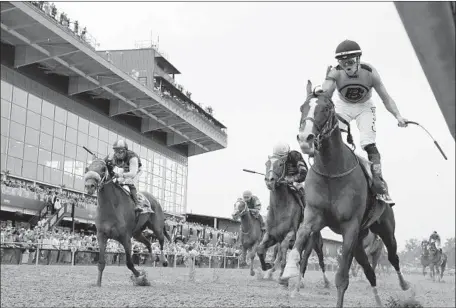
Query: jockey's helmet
point(247, 195)
point(120, 148)
point(281, 149)
point(348, 54)
point(348, 49)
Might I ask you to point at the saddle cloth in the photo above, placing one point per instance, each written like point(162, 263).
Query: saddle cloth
point(375, 207)
point(143, 201)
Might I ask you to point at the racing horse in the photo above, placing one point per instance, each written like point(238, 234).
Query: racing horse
point(116, 218)
point(434, 258)
point(339, 195)
point(284, 216)
point(250, 232)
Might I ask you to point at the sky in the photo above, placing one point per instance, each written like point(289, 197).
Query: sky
point(251, 62)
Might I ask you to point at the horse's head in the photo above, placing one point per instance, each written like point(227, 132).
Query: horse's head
point(240, 208)
point(275, 171)
point(318, 120)
point(424, 247)
point(95, 173)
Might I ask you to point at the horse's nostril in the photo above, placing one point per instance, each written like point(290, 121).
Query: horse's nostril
point(310, 138)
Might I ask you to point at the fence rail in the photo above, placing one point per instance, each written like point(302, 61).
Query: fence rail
point(36, 254)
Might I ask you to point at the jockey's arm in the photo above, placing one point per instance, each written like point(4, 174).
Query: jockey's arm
point(256, 204)
point(134, 166)
point(329, 85)
point(379, 87)
point(301, 166)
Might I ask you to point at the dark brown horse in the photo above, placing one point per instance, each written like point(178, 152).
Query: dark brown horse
point(284, 216)
point(434, 258)
point(116, 218)
point(338, 195)
point(250, 233)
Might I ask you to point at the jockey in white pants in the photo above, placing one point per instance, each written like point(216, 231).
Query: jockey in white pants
point(354, 81)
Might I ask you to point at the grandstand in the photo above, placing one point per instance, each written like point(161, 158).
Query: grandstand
point(59, 93)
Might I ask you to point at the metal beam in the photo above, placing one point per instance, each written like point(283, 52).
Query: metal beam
point(24, 26)
point(174, 139)
point(149, 125)
point(194, 150)
point(26, 55)
point(80, 84)
point(8, 10)
point(117, 107)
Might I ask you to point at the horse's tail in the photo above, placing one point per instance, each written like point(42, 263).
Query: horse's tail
point(165, 232)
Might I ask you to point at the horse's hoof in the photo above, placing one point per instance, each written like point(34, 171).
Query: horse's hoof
point(252, 273)
point(283, 282)
point(269, 266)
point(165, 264)
point(405, 286)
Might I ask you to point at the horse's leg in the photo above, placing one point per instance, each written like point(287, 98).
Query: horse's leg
point(126, 242)
point(142, 239)
point(252, 258)
point(424, 270)
point(313, 222)
point(284, 245)
point(349, 242)
point(159, 233)
point(363, 261)
point(261, 250)
point(304, 261)
point(243, 256)
point(385, 229)
point(318, 247)
point(102, 240)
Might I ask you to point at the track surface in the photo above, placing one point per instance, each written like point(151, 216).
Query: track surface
point(66, 286)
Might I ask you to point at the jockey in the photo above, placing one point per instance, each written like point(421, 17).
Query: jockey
point(254, 206)
point(128, 164)
point(295, 167)
point(354, 81)
point(435, 238)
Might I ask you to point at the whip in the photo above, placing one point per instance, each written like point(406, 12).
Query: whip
point(251, 171)
point(435, 142)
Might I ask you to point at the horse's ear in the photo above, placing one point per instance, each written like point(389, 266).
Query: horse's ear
point(309, 87)
point(86, 169)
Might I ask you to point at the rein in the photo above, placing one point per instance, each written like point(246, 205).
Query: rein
point(242, 214)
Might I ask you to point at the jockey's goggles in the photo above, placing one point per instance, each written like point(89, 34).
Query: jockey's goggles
point(348, 62)
point(119, 150)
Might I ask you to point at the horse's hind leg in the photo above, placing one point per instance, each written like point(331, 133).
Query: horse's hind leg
point(102, 239)
point(265, 243)
point(161, 240)
point(142, 239)
point(318, 247)
point(363, 261)
point(385, 229)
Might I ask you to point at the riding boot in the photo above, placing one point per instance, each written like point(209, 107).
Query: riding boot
point(134, 196)
point(262, 224)
point(379, 182)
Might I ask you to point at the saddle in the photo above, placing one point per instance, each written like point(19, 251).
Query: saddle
point(143, 201)
point(374, 207)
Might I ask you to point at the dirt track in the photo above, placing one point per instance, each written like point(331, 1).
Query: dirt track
point(66, 286)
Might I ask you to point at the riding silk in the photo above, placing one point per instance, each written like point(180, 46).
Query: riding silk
point(125, 163)
point(355, 89)
point(296, 167)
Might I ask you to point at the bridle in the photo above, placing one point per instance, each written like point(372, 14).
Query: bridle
point(279, 176)
point(325, 130)
point(105, 176)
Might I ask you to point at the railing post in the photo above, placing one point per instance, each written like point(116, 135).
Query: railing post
point(37, 254)
point(210, 258)
point(239, 263)
point(174, 262)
